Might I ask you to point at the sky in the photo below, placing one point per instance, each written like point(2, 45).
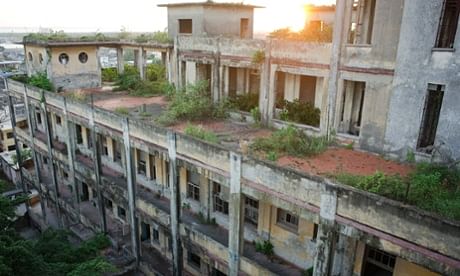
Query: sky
point(133, 15)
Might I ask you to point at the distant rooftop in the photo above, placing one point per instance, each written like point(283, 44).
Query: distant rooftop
point(210, 3)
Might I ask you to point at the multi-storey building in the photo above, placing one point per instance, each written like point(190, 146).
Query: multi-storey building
point(179, 204)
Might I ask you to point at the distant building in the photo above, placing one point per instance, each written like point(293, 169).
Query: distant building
point(210, 18)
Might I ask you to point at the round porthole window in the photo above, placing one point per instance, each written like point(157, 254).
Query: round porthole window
point(40, 58)
point(64, 58)
point(83, 57)
point(31, 58)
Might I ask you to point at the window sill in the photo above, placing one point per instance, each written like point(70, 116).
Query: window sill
point(449, 50)
point(288, 228)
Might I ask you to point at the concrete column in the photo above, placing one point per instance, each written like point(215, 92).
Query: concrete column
point(120, 61)
point(337, 39)
point(70, 142)
point(326, 233)
point(226, 81)
point(175, 206)
point(16, 144)
point(271, 93)
point(34, 153)
point(168, 67)
point(141, 55)
point(344, 256)
point(96, 148)
point(265, 84)
point(236, 224)
point(50, 157)
point(131, 179)
point(215, 75)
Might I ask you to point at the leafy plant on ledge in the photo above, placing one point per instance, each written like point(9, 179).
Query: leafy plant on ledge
point(258, 57)
point(265, 247)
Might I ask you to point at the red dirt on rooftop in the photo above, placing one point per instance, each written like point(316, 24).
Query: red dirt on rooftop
point(340, 160)
point(129, 102)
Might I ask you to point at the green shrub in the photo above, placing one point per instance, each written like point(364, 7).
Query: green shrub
point(155, 72)
point(430, 187)
point(256, 116)
point(302, 113)
point(200, 133)
point(39, 80)
point(292, 141)
point(78, 96)
point(308, 272)
point(245, 102)
point(109, 74)
point(194, 103)
point(258, 57)
point(265, 247)
point(122, 111)
point(272, 156)
point(129, 79)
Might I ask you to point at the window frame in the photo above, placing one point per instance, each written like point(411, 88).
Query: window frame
point(287, 220)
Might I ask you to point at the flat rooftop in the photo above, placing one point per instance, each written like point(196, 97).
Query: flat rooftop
point(210, 3)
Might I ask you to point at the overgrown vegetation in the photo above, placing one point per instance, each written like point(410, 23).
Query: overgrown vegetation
point(39, 80)
point(109, 74)
point(25, 154)
point(258, 57)
point(201, 133)
point(161, 37)
point(193, 103)
point(245, 102)
point(206, 220)
point(78, 96)
point(154, 84)
point(122, 111)
point(51, 254)
point(291, 141)
point(311, 33)
point(256, 116)
point(265, 247)
point(431, 187)
point(299, 112)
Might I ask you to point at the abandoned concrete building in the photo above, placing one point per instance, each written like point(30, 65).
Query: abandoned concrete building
point(179, 205)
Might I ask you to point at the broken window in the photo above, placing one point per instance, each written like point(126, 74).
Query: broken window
point(105, 149)
point(287, 219)
point(39, 118)
point(244, 28)
point(251, 210)
point(121, 212)
point(315, 232)
point(193, 185)
point(448, 24)
point(78, 131)
point(167, 173)
point(108, 203)
point(40, 58)
point(63, 58)
point(155, 235)
point(360, 31)
point(378, 262)
point(219, 194)
point(83, 57)
point(145, 231)
point(10, 148)
point(153, 170)
point(84, 192)
point(352, 107)
point(141, 163)
point(31, 58)
point(9, 135)
point(58, 120)
point(194, 260)
point(430, 118)
point(185, 26)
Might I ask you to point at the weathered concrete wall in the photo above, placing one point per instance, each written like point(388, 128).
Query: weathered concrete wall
point(75, 74)
point(417, 65)
point(189, 12)
point(389, 223)
point(218, 22)
point(40, 59)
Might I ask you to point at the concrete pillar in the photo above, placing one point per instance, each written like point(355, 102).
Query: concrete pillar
point(337, 39)
point(344, 256)
point(169, 67)
point(34, 153)
point(226, 80)
point(96, 148)
point(16, 144)
point(70, 142)
point(141, 56)
point(120, 61)
point(272, 93)
point(131, 179)
point(236, 224)
point(175, 206)
point(265, 84)
point(215, 75)
point(326, 233)
point(50, 156)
